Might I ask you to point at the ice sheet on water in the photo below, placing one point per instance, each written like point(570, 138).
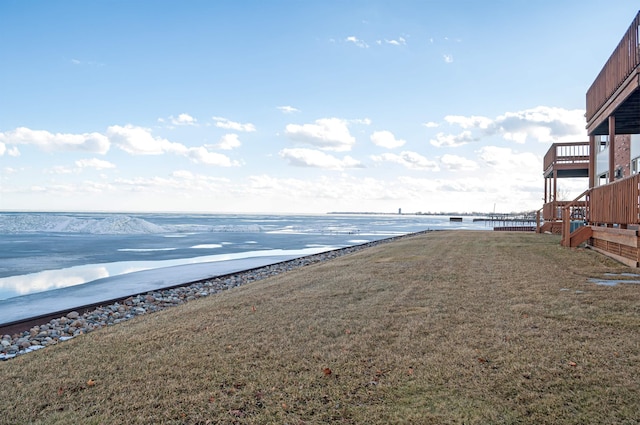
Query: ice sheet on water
point(221, 228)
point(120, 286)
point(207, 246)
point(110, 224)
point(114, 224)
point(145, 249)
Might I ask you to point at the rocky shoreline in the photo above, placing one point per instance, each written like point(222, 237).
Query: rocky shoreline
point(74, 323)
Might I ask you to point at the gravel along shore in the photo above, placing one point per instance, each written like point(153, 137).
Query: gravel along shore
point(74, 323)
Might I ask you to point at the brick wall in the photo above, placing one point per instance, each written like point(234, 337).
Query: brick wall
point(622, 154)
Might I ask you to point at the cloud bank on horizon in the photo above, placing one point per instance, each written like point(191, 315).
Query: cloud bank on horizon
point(213, 108)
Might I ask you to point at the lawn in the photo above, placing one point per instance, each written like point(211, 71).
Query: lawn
point(448, 327)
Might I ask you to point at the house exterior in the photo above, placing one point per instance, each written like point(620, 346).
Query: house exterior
point(607, 215)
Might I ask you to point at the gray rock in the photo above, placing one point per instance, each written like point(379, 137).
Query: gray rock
point(78, 323)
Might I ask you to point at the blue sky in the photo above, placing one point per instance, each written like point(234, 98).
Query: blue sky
point(293, 106)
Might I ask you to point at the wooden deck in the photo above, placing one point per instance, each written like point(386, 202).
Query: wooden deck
point(615, 91)
point(562, 160)
point(567, 160)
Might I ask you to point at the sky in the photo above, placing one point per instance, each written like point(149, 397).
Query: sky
point(294, 106)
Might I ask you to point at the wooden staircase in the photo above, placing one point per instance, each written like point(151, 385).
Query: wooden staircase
point(578, 236)
point(554, 227)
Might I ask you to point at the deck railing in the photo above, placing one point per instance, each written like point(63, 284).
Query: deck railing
point(566, 153)
point(622, 62)
point(552, 211)
point(569, 215)
point(616, 203)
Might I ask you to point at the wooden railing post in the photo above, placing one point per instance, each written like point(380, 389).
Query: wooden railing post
point(566, 226)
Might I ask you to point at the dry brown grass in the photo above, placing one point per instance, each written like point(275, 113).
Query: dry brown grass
point(448, 327)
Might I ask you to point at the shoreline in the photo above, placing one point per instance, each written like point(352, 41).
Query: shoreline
point(30, 334)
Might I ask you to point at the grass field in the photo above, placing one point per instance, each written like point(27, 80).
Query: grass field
point(447, 327)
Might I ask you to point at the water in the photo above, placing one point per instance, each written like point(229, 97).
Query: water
point(614, 279)
point(50, 256)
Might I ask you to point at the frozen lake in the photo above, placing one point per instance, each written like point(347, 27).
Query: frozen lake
point(54, 261)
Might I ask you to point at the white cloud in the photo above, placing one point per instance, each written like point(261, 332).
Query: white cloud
point(327, 134)
point(288, 109)
point(3, 148)
point(357, 42)
point(518, 137)
point(448, 58)
point(183, 119)
point(13, 151)
point(408, 159)
point(96, 163)
point(87, 63)
point(458, 163)
point(452, 140)
point(431, 124)
point(543, 124)
point(59, 169)
point(317, 159)
point(365, 121)
point(80, 165)
point(50, 142)
point(324, 193)
point(229, 142)
point(190, 183)
point(339, 191)
point(222, 122)
point(386, 139)
point(139, 141)
point(400, 41)
point(201, 155)
point(506, 161)
point(183, 174)
point(469, 122)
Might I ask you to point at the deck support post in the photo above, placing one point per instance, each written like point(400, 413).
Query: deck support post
point(612, 148)
point(566, 227)
point(592, 161)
